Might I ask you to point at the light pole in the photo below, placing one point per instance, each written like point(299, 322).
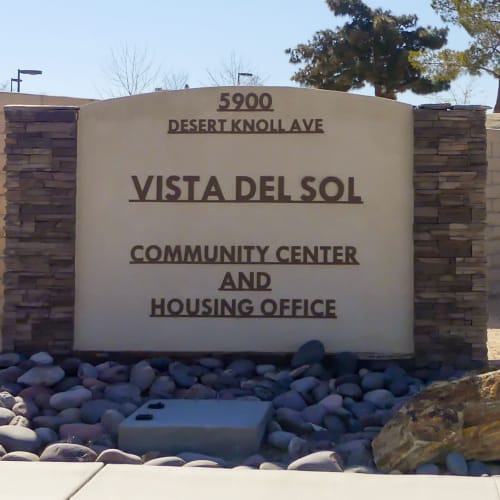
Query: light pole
point(243, 74)
point(23, 72)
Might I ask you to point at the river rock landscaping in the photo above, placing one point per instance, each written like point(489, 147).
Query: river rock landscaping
point(328, 409)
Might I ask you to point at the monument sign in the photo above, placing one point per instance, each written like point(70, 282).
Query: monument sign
point(245, 219)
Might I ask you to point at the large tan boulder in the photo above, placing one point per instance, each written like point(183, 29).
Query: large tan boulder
point(461, 415)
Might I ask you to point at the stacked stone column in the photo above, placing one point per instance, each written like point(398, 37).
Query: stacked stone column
point(40, 146)
point(449, 231)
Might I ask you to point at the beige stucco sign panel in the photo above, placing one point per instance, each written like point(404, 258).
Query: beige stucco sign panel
point(245, 219)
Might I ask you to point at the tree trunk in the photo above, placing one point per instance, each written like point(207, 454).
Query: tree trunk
point(496, 109)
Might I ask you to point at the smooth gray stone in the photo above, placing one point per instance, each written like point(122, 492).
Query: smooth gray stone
point(7, 400)
point(42, 375)
point(264, 368)
point(381, 398)
point(210, 379)
point(166, 461)
point(123, 392)
point(26, 408)
point(350, 390)
point(160, 363)
point(86, 370)
point(361, 469)
point(50, 412)
point(253, 460)
point(72, 398)
point(399, 387)
point(189, 456)
point(456, 464)
point(111, 420)
point(42, 358)
point(332, 402)
point(304, 384)
point(394, 371)
point(297, 447)
point(319, 461)
point(10, 374)
point(321, 391)
point(362, 409)
point(314, 414)
point(335, 424)
point(12, 387)
point(162, 387)
point(202, 463)
point(200, 391)
point(292, 420)
point(311, 352)
point(6, 416)
point(372, 381)
point(20, 420)
point(46, 435)
point(18, 438)
point(20, 456)
point(81, 433)
point(142, 375)
point(70, 416)
point(127, 408)
point(180, 373)
point(289, 375)
point(280, 439)
point(317, 370)
point(350, 446)
point(67, 452)
point(197, 370)
point(9, 359)
point(211, 363)
point(350, 378)
point(115, 456)
point(360, 457)
point(264, 394)
point(273, 426)
point(290, 399)
point(477, 468)
point(50, 421)
point(270, 466)
point(114, 374)
point(229, 380)
point(249, 384)
point(242, 367)
point(67, 383)
point(92, 410)
point(429, 468)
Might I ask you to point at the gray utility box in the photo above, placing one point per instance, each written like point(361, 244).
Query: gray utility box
point(225, 428)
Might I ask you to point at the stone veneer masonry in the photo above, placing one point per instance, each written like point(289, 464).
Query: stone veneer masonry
point(451, 289)
point(39, 278)
point(449, 229)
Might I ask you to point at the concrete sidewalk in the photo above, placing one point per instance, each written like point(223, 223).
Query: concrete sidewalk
point(92, 481)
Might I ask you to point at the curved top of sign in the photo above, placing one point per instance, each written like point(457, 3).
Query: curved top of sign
point(193, 94)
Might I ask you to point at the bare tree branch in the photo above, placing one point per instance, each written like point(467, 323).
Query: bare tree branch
point(131, 70)
point(227, 73)
point(175, 81)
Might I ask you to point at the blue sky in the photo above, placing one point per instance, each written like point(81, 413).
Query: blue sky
point(71, 40)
